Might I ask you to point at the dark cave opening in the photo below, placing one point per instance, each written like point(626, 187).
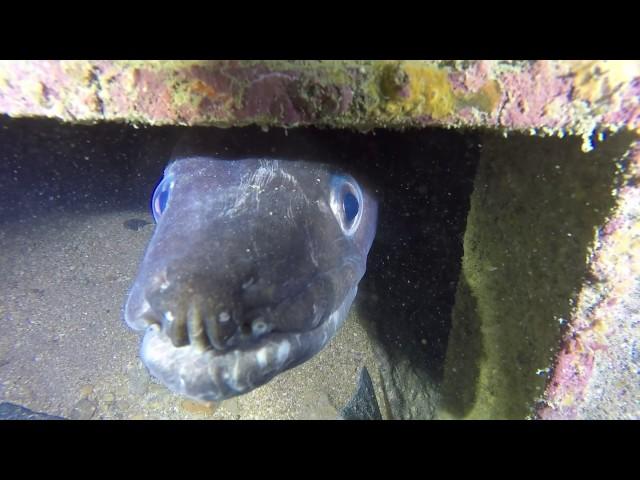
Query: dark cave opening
point(423, 179)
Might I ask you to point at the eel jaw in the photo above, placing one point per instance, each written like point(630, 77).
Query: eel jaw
point(206, 375)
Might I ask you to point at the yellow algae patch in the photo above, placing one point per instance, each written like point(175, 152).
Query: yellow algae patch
point(416, 89)
point(489, 96)
point(485, 99)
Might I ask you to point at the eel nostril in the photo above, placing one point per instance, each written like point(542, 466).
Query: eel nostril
point(259, 327)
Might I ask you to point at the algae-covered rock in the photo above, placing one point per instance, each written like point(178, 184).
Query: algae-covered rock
point(535, 211)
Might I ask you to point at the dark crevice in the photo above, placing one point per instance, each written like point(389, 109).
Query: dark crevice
point(423, 179)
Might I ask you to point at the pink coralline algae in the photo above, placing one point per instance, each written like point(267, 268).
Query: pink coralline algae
point(530, 98)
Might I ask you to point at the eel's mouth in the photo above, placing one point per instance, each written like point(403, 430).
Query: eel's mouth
point(209, 347)
point(211, 375)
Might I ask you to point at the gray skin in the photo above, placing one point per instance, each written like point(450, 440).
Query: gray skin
point(251, 270)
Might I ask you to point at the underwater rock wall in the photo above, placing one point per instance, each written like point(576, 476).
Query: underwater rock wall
point(596, 372)
point(530, 276)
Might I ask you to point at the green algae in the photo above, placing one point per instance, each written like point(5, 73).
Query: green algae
point(536, 205)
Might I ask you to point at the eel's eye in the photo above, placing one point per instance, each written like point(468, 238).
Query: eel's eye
point(346, 202)
point(161, 196)
point(351, 206)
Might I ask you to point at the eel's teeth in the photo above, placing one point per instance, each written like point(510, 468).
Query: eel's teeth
point(195, 327)
point(175, 326)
